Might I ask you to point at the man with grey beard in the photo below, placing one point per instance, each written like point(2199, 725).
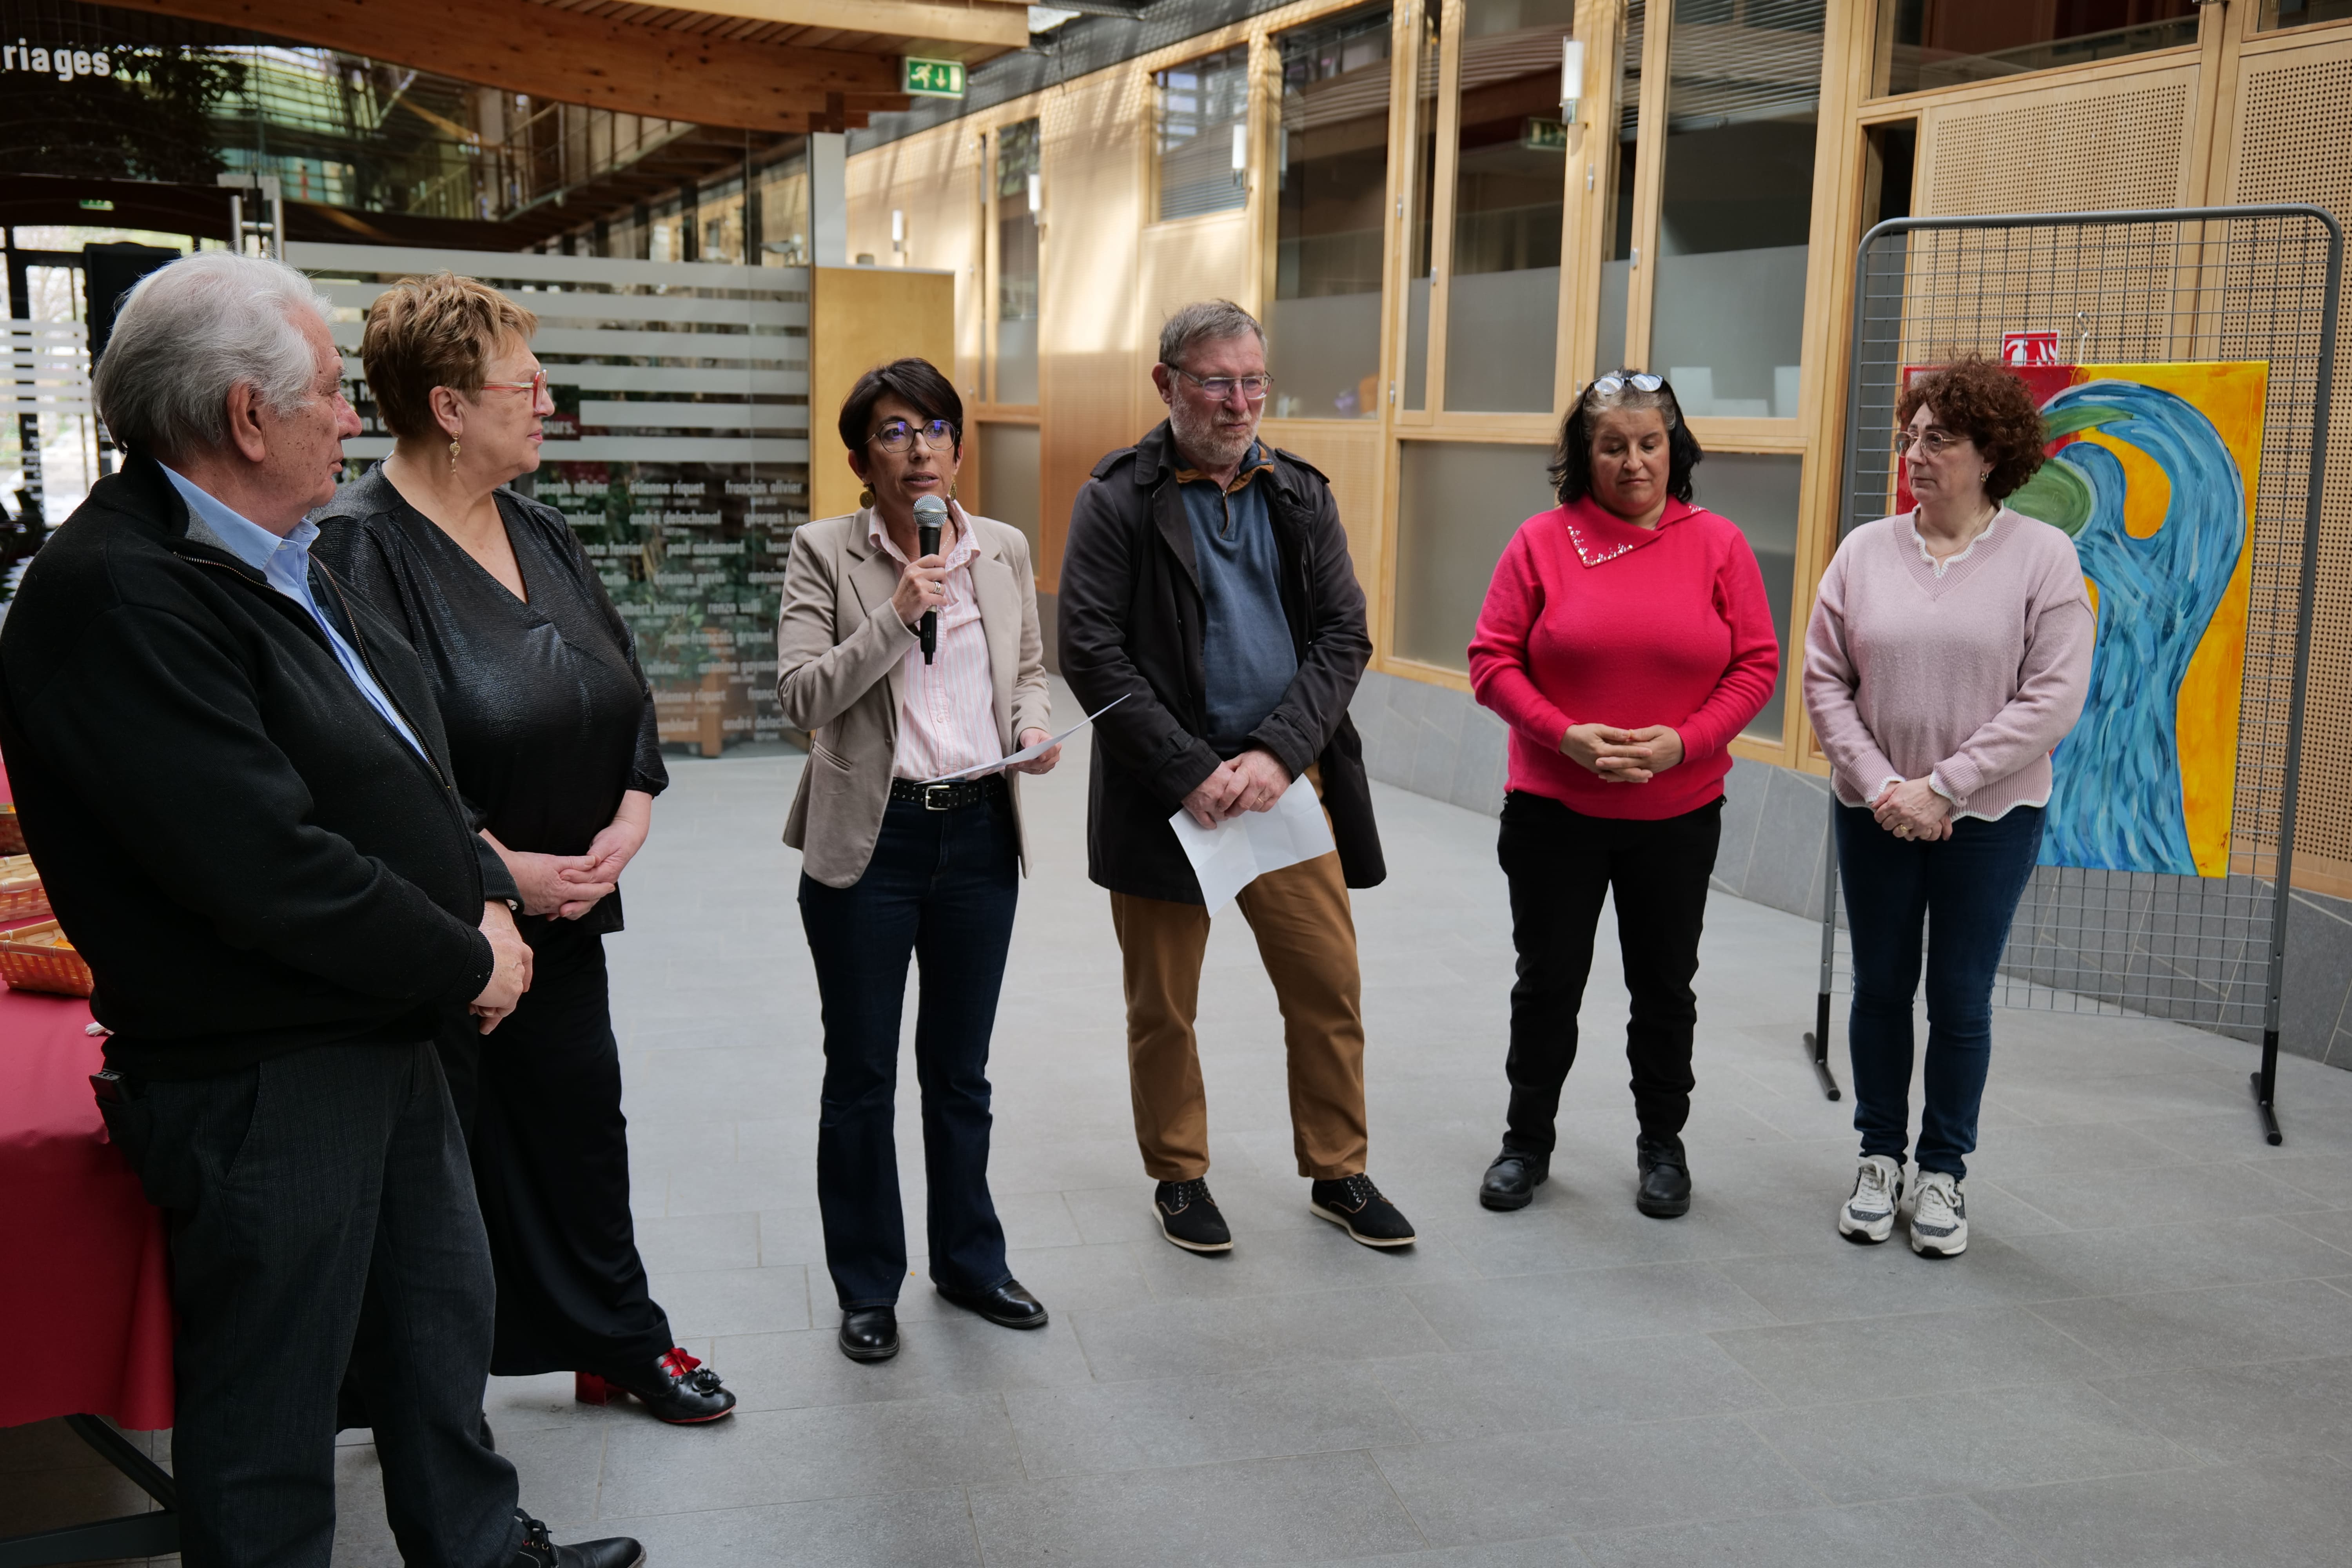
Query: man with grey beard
point(1207, 582)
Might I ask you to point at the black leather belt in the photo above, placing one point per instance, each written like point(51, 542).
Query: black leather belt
point(948, 796)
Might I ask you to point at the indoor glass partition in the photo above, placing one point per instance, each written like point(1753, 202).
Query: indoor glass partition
point(1742, 96)
point(1019, 177)
point(1616, 160)
point(1420, 232)
point(1759, 492)
point(1458, 503)
point(1203, 135)
point(1332, 172)
point(1928, 43)
point(1510, 180)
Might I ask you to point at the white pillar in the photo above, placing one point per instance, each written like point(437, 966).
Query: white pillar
point(828, 156)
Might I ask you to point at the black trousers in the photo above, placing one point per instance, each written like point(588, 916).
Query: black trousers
point(297, 1191)
point(1561, 864)
point(551, 1152)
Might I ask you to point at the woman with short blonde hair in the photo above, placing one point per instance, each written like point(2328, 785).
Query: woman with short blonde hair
point(552, 739)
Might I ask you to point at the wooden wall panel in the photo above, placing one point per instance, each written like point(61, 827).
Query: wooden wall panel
point(2294, 143)
point(1091, 395)
point(859, 317)
point(2121, 142)
point(934, 179)
point(1352, 456)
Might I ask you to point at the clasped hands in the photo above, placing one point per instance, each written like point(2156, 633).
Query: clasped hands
point(1255, 780)
point(1913, 809)
point(1622, 756)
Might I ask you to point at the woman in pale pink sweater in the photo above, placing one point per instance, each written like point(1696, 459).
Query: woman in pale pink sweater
point(1949, 651)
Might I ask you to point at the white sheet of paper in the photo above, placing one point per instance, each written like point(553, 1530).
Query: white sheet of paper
point(1027, 753)
point(1239, 850)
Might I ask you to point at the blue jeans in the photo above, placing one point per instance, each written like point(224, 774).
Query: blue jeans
point(941, 887)
point(1967, 887)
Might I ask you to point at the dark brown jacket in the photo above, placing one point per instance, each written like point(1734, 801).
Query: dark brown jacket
point(1130, 614)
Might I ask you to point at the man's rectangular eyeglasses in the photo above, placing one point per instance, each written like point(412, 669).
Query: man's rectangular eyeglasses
point(1938, 441)
point(1220, 387)
point(536, 385)
point(899, 436)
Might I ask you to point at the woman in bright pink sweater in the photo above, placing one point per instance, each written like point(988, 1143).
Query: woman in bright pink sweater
point(1626, 638)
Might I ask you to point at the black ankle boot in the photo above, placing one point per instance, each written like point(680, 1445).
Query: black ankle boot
point(1512, 1179)
point(1665, 1189)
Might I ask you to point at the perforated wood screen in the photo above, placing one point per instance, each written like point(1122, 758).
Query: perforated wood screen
point(2242, 283)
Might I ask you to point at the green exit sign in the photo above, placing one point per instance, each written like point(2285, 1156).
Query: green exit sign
point(934, 79)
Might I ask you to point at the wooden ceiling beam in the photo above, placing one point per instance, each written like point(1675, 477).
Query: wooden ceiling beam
point(959, 29)
point(521, 47)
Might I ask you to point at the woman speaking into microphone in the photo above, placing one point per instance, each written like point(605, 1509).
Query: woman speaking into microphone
point(906, 664)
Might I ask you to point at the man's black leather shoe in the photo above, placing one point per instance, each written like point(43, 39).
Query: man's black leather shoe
point(1512, 1180)
point(870, 1333)
point(1008, 1305)
point(1666, 1177)
point(538, 1552)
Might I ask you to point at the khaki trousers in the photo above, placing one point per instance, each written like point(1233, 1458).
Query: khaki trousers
point(1308, 939)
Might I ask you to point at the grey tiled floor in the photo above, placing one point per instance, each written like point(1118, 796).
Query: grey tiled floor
point(2145, 1357)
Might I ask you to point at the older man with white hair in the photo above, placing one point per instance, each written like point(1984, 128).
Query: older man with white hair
point(235, 782)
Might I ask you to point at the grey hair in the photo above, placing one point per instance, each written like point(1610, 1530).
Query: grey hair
point(190, 331)
point(1204, 322)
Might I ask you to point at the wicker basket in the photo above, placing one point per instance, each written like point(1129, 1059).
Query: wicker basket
point(37, 958)
point(22, 897)
point(12, 831)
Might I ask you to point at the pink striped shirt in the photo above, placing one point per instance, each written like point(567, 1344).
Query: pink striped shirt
point(947, 715)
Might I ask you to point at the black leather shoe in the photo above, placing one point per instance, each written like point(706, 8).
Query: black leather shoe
point(1512, 1180)
point(1189, 1217)
point(1666, 1177)
point(1008, 1305)
point(677, 1388)
point(538, 1552)
point(870, 1333)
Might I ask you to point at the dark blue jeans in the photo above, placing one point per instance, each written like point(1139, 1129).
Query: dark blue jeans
point(1967, 888)
point(942, 886)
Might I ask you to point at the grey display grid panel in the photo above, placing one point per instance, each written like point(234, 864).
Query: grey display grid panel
point(2205, 284)
point(679, 451)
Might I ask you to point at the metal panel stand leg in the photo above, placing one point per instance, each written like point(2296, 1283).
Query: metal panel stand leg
point(2266, 1083)
point(1817, 1042)
point(153, 1534)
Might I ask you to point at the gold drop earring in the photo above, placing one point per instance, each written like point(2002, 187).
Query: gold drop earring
point(453, 456)
point(865, 498)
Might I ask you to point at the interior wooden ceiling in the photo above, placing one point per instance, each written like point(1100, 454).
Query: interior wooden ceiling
point(768, 69)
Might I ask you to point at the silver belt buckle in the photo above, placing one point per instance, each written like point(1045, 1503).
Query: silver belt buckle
point(939, 797)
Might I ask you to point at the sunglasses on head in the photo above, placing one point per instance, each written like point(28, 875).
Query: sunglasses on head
point(1609, 385)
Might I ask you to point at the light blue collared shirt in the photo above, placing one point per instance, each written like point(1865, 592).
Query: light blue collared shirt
point(285, 564)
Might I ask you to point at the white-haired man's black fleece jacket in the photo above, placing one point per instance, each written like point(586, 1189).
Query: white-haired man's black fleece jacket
point(251, 858)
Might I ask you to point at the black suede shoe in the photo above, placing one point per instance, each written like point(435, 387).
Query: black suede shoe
point(676, 1387)
point(1666, 1177)
point(1188, 1216)
point(538, 1552)
point(869, 1333)
point(1354, 1205)
point(1008, 1306)
point(1512, 1180)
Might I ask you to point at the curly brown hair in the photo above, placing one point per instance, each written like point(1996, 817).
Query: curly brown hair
point(1978, 398)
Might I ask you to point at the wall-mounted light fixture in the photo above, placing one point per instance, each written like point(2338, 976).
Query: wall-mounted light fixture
point(1571, 77)
point(897, 231)
point(1241, 153)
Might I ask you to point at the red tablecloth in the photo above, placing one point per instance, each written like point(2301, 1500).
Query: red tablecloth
point(85, 1280)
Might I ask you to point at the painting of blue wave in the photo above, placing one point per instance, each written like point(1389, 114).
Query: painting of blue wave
point(2116, 800)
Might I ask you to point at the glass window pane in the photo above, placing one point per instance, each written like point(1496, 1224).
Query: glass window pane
point(1008, 477)
point(1759, 494)
point(1421, 230)
point(2296, 12)
point(1459, 503)
point(1018, 176)
point(1742, 96)
point(1333, 172)
point(1927, 44)
point(1616, 163)
point(1502, 299)
point(1203, 135)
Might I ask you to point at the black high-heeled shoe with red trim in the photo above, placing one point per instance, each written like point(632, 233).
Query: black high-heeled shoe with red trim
point(677, 1388)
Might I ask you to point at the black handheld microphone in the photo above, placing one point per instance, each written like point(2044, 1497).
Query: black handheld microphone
point(930, 516)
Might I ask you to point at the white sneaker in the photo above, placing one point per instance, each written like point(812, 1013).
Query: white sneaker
point(1868, 1217)
point(1940, 1217)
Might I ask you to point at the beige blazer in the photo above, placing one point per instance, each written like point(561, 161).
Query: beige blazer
point(840, 650)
